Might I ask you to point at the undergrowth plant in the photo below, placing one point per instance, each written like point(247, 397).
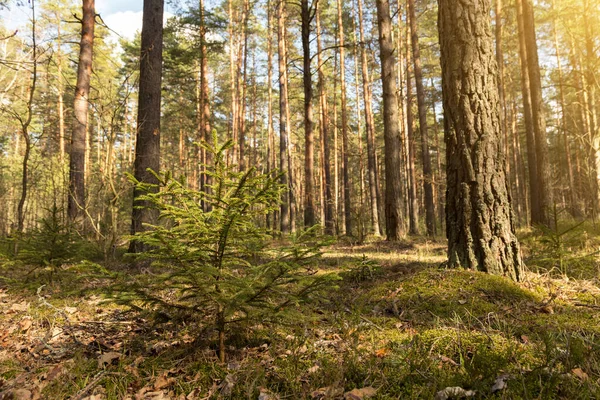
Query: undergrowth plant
point(211, 256)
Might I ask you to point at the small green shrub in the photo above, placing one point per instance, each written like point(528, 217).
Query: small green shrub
point(216, 264)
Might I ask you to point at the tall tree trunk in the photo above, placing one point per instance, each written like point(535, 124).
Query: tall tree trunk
point(324, 125)
point(309, 147)
point(572, 193)
point(284, 166)
point(242, 84)
point(25, 123)
point(370, 128)
point(413, 205)
point(233, 83)
point(479, 219)
point(205, 130)
point(537, 112)
point(77, 168)
point(271, 158)
point(391, 127)
point(147, 147)
point(345, 167)
point(528, 117)
point(422, 107)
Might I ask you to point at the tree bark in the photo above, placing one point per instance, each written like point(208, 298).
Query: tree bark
point(284, 166)
point(324, 125)
point(539, 123)
point(345, 167)
point(370, 128)
point(77, 163)
point(413, 205)
point(479, 218)
point(528, 119)
point(422, 107)
point(391, 127)
point(147, 148)
point(309, 147)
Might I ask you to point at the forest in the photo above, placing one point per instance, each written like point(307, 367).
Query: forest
point(300, 199)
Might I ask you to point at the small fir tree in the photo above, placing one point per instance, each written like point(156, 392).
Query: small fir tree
point(217, 264)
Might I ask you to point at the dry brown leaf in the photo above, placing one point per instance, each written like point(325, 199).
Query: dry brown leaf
point(25, 324)
point(163, 381)
point(313, 369)
point(360, 394)
point(382, 352)
point(71, 310)
point(17, 307)
point(448, 360)
point(21, 394)
point(54, 372)
point(578, 372)
point(108, 358)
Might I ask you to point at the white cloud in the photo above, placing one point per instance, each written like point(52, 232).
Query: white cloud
point(125, 23)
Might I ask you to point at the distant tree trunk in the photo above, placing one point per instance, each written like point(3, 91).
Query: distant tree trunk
point(479, 218)
point(539, 123)
point(147, 148)
point(324, 125)
point(572, 193)
point(233, 84)
point(345, 167)
point(205, 130)
point(242, 84)
point(309, 147)
point(60, 93)
point(427, 171)
point(528, 119)
point(413, 205)
point(271, 158)
point(25, 123)
point(76, 202)
point(370, 128)
point(284, 166)
point(391, 127)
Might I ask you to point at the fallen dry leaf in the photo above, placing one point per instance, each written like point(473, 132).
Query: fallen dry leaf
point(108, 358)
point(25, 324)
point(313, 369)
point(578, 372)
point(17, 307)
point(163, 381)
point(71, 310)
point(448, 360)
point(382, 352)
point(360, 394)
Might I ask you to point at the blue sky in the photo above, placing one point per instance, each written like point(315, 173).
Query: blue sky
point(122, 16)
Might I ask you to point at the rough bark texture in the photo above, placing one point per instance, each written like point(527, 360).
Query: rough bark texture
point(479, 218)
point(80, 108)
point(309, 147)
point(413, 205)
point(422, 107)
point(391, 127)
point(147, 148)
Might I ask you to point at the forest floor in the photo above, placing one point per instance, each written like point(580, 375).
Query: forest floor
point(400, 325)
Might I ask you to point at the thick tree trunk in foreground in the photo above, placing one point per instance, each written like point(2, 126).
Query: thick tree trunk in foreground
point(147, 147)
point(391, 127)
point(479, 218)
point(80, 108)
